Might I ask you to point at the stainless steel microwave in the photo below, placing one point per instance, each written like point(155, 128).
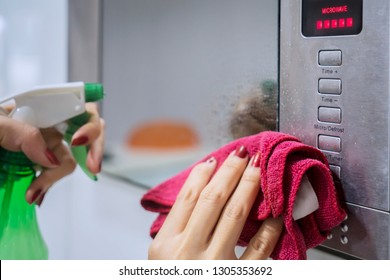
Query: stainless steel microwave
point(334, 95)
point(330, 59)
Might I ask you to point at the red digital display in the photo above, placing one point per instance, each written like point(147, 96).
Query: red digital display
point(334, 23)
point(331, 17)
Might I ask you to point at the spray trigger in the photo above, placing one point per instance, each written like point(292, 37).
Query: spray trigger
point(61, 106)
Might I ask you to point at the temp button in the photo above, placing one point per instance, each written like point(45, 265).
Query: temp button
point(329, 143)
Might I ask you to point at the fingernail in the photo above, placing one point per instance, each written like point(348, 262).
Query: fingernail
point(211, 160)
point(82, 140)
point(241, 152)
point(256, 160)
point(35, 196)
point(51, 157)
point(39, 201)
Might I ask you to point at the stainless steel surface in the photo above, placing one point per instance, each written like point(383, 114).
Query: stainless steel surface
point(362, 158)
point(364, 234)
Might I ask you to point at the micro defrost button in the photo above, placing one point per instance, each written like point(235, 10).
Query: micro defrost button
point(329, 143)
point(329, 86)
point(329, 114)
point(330, 58)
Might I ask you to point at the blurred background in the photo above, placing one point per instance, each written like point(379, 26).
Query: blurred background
point(182, 77)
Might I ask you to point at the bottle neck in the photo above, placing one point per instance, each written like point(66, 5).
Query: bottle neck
point(15, 163)
point(16, 174)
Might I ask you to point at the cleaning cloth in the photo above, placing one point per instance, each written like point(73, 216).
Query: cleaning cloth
point(284, 163)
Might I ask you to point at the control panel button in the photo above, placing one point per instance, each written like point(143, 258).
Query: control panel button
point(336, 169)
point(329, 143)
point(344, 227)
point(344, 240)
point(330, 58)
point(329, 86)
point(329, 114)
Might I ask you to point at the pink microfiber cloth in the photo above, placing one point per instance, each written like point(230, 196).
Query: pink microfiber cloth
point(284, 162)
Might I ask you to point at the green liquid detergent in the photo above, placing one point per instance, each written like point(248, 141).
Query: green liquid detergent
point(20, 236)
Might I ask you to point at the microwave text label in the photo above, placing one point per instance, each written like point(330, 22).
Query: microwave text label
point(335, 10)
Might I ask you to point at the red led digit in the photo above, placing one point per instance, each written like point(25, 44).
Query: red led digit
point(326, 24)
point(349, 22)
point(342, 22)
point(319, 24)
point(334, 23)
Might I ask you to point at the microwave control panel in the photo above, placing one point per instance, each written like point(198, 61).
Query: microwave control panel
point(334, 95)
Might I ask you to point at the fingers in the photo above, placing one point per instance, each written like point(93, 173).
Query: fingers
point(171, 241)
point(17, 136)
point(96, 150)
point(209, 214)
point(215, 195)
point(187, 198)
point(263, 243)
point(39, 187)
point(237, 209)
point(92, 134)
point(86, 134)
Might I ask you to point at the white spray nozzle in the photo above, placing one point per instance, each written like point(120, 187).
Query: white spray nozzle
point(48, 106)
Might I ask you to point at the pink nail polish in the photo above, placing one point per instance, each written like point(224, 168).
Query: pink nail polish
point(241, 152)
point(256, 160)
point(51, 157)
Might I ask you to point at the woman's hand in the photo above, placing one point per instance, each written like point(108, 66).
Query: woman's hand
point(46, 148)
point(210, 212)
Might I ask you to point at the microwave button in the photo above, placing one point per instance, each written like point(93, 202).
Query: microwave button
point(336, 169)
point(344, 240)
point(329, 114)
point(329, 143)
point(329, 58)
point(329, 86)
point(344, 228)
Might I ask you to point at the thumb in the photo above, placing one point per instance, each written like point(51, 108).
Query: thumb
point(18, 136)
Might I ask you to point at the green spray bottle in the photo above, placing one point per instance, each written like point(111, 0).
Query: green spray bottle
point(61, 106)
